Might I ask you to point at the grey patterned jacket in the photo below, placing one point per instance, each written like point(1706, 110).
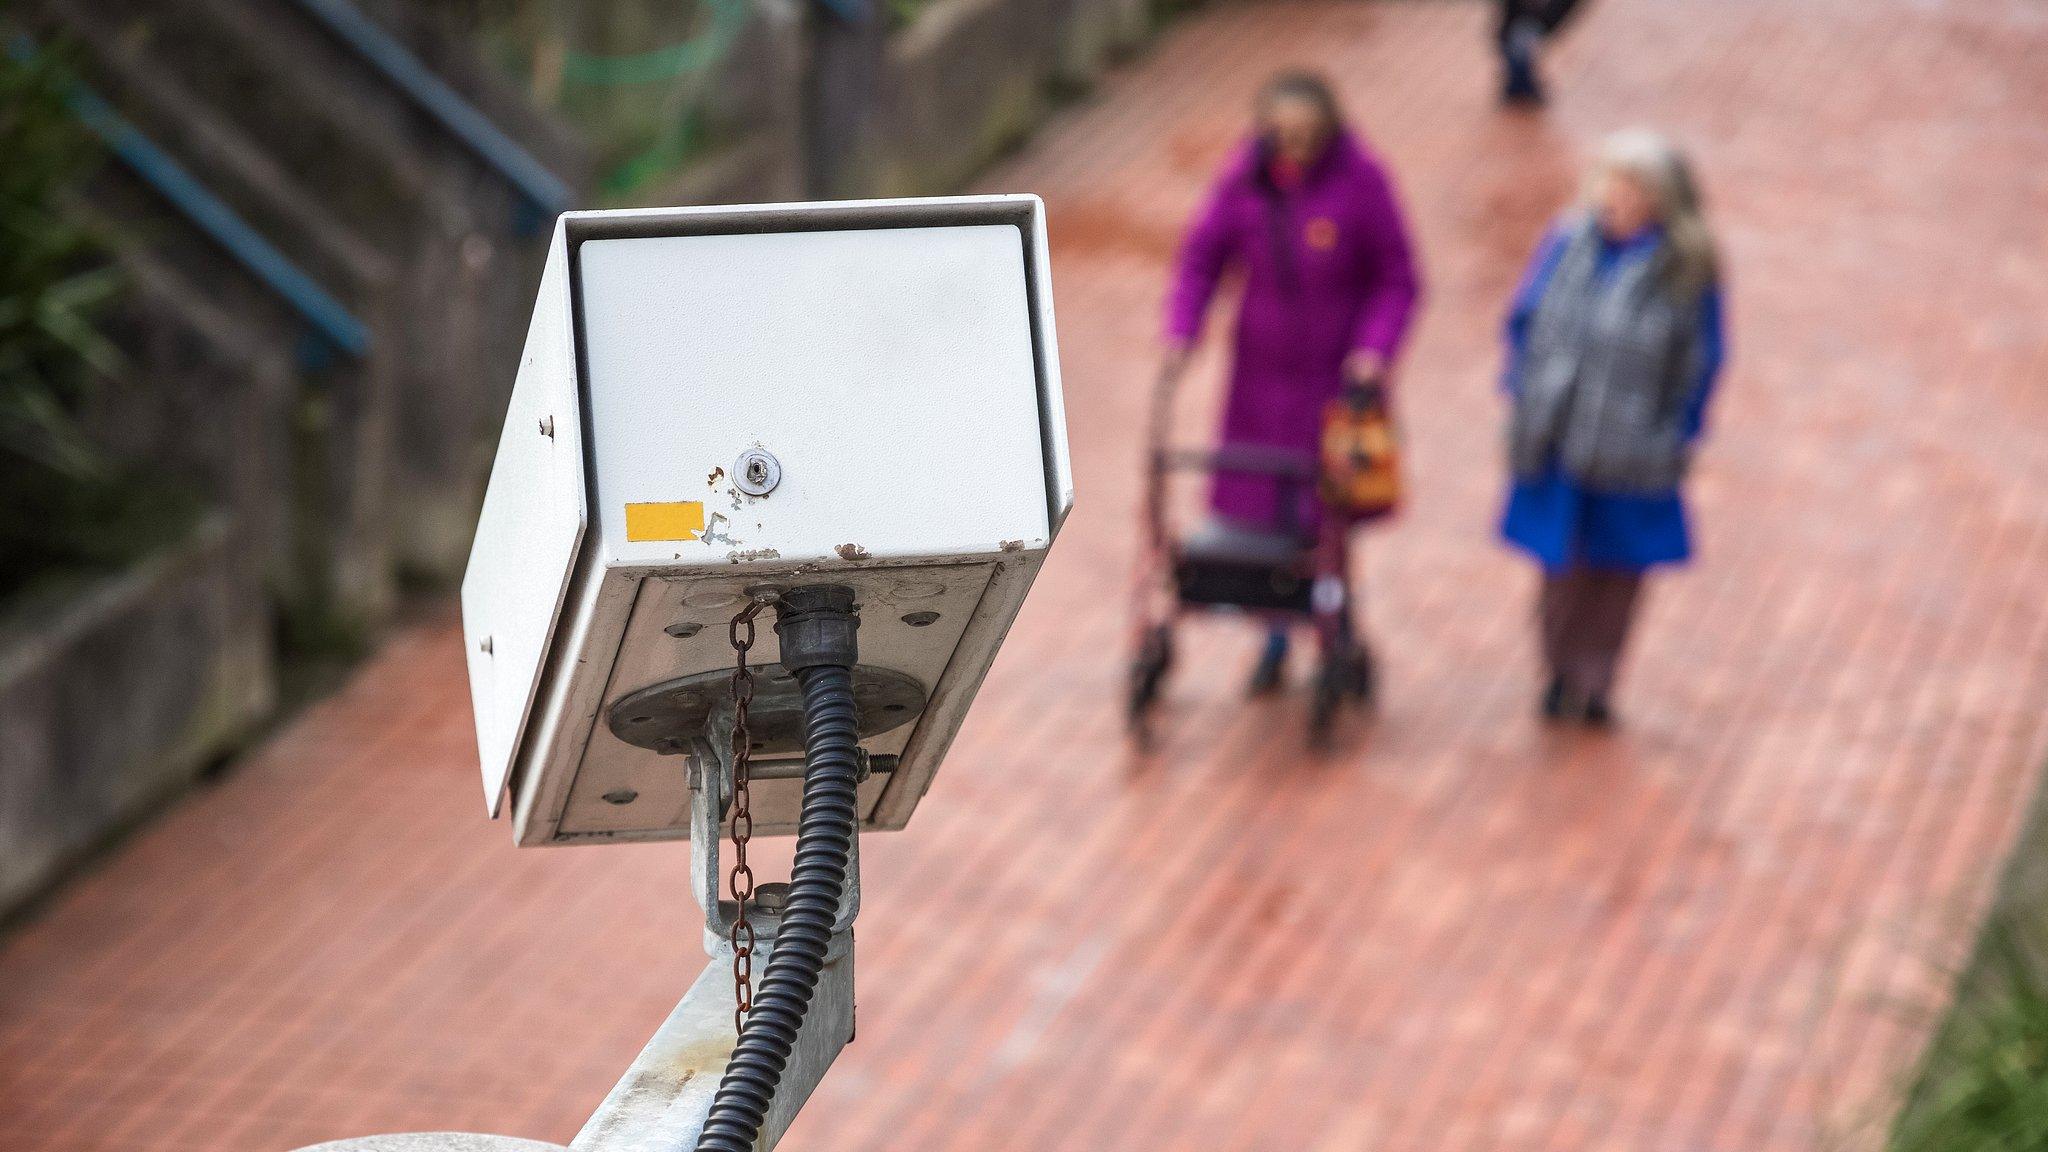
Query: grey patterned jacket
point(1604, 379)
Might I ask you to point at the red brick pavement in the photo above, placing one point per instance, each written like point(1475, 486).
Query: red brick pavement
point(1724, 927)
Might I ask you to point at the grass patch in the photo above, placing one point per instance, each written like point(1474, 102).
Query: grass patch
point(1984, 1087)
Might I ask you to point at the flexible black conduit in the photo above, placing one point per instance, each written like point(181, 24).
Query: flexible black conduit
point(824, 841)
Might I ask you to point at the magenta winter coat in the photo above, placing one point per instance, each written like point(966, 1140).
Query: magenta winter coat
point(1327, 270)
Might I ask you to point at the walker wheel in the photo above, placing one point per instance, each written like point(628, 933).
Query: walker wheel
point(1346, 674)
point(1322, 708)
point(1148, 673)
point(1362, 676)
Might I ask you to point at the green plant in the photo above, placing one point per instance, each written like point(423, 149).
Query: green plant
point(639, 78)
point(51, 275)
point(1985, 1085)
point(904, 13)
point(62, 503)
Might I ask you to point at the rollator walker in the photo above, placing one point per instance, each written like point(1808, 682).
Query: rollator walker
point(1287, 573)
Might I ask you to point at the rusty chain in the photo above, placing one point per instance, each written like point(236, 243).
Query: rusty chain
point(741, 881)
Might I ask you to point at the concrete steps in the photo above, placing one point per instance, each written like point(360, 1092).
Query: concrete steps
point(331, 156)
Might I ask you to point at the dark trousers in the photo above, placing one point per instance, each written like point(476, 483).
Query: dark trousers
point(1547, 15)
point(1519, 33)
point(1584, 614)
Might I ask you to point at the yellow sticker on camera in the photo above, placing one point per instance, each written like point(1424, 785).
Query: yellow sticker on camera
point(670, 520)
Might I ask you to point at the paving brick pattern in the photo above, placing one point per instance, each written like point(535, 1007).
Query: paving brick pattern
point(1724, 927)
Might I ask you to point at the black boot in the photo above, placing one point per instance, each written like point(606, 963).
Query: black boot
point(1598, 713)
point(1522, 88)
point(1519, 43)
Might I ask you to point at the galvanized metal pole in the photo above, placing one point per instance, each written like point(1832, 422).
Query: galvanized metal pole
point(435, 1142)
point(661, 1103)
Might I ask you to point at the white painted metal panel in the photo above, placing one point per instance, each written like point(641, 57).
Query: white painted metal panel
point(890, 371)
point(1059, 468)
point(528, 533)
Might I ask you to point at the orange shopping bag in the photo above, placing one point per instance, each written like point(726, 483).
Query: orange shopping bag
point(1361, 457)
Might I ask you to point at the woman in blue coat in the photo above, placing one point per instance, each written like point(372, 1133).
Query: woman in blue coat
point(1614, 341)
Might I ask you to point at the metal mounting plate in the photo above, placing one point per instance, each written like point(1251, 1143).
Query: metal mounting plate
point(667, 716)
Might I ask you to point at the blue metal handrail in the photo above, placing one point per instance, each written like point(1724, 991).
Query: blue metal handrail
point(546, 193)
point(333, 324)
point(327, 316)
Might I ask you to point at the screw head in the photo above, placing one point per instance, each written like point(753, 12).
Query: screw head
point(684, 629)
point(621, 796)
point(756, 472)
point(920, 619)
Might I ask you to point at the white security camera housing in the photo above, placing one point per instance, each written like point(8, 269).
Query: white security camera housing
point(713, 400)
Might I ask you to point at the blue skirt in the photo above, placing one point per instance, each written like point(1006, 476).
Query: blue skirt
point(1561, 524)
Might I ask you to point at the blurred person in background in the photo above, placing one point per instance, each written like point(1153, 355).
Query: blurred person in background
point(1305, 214)
point(1520, 33)
point(1614, 340)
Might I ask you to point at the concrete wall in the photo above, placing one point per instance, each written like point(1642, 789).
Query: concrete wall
point(820, 108)
point(114, 693)
point(971, 78)
point(327, 472)
point(120, 697)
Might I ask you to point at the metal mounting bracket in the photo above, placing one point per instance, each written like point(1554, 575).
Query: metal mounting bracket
point(711, 777)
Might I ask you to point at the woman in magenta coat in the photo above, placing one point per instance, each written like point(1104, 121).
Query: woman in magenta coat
point(1306, 216)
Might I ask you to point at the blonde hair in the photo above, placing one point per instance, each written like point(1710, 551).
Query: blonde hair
point(1661, 169)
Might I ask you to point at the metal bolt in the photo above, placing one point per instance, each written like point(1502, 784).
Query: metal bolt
point(547, 427)
point(484, 645)
point(756, 472)
point(684, 629)
point(771, 897)
point(621, 796)
point(920, 619)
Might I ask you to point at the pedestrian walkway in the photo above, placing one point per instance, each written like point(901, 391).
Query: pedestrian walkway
point(1725, 927)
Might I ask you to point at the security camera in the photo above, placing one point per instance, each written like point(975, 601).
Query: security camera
point(715, 407)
